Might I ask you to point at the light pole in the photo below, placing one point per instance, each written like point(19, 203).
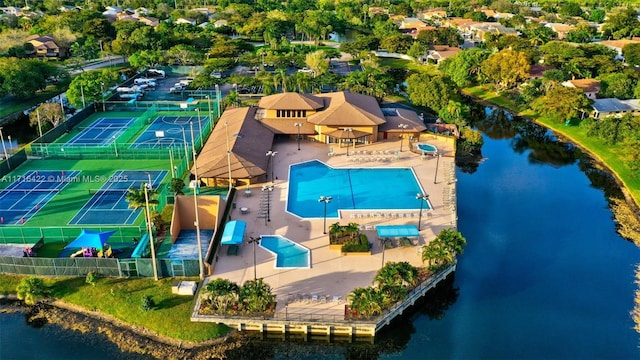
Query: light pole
point(102, 89)
point(195, 203)
point(147, 187)
point(210, 113)
point(402, 127)
point(423, 198)
point(298, 125)
point(383, 242)
point(271, 154)
point(115, 145)
point(253, 241)
point(349, 133)
point(226, 128)
point(267, 189)
point(4, 147)
point(199, 126)
point(325, 200)
point(218, 97)
point(39, 123)
point(435, 176)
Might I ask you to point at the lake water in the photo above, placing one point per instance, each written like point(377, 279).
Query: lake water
point(544, 274)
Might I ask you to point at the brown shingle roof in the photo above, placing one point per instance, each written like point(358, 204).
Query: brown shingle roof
point(348, 109)
point(248, 140)
point(587, 85)
point(290, 101)
point(286, 126)
point(397, 116)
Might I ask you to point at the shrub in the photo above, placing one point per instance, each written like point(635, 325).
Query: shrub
point(91, 278)
point(147, 303)
point(30, 290)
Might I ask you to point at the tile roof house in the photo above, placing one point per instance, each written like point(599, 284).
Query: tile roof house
point(220, 23)
point(186, 21)
point(617, 45)
point(437, 53)
point(149, 21)
point(433, 15)
point(45, 46)
point(561, 29)
point(590, 87)
point(323, 118)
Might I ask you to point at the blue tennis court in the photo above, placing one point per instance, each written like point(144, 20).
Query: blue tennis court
point(101, 132)
point(167, 131)
point(350, 189)
point(108, 205)
point(30, 192)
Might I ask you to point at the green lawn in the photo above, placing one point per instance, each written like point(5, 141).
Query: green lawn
point(394, 63)
point(611, 155)
point(121, 298)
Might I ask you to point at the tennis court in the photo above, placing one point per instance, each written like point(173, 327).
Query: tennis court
point(30, 192)
point(101, 132)
point(108, 205)
point(167, 131)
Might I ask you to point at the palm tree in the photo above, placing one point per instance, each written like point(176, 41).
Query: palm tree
point(437, 254)
point(30, 290)
point(256, 296)
point(366, 302)
point(220, 293)
point(453, 240)
point(136, 200)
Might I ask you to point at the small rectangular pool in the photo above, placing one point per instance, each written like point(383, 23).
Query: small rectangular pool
point(288, 254)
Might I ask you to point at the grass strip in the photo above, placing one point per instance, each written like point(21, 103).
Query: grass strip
point(611, 156)
point(122, 298)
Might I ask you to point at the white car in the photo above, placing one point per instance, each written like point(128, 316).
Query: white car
point(305, 70)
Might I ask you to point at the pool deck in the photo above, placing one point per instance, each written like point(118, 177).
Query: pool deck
point(331, 274)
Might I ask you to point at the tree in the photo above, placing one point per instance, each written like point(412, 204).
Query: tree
point(317, 62)
point(136, 200)
point(464, 67)
point(90, 86)
point(453, 240)
point(631, 54)
point(597, 16)
point(616, 130)
point(365, 302)
point(570, 9)
point(24, 77)
point(583, 33)
point(184, 55)
point(47, 115)
point(437, 255)
point(617, 85)
point(505, 69)
point(562, 103)
point(622, 24)
point(147, 58)
point(440, 36)
point(397, 43)
point(30, 290)
point(219, 294)
point(256, 296)
point(433, 91)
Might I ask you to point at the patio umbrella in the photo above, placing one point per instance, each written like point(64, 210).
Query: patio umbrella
point(90, 239)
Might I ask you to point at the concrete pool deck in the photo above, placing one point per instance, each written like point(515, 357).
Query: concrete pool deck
point(331, 274)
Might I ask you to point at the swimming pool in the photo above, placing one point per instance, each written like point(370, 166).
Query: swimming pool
point(350, 189)
point(427, 147)
point(288, 254)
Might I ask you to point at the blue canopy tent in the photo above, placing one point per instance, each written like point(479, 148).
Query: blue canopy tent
point(90, 239)
point(397, 231)
point(233, 232)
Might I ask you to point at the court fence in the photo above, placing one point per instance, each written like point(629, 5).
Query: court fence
point(29, 235)
point(12, 162)
point(105, 267)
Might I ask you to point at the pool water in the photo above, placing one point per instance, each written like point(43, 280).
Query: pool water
point(350, 189)
point(427, 147)
point(288, 253)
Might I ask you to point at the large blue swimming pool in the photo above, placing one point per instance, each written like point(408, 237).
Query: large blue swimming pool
point(350, 189)
point(288, 253)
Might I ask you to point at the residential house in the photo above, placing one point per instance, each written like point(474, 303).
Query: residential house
point(590, 87)
point(45, 46)
point(220, 23)
point(438, 53)
point(618, 45)
point(611, 107)
point(186, 21)
point(65, 8)
point(11, 10)
point(333, 118)
point(536, 71)
point(149, 21)
point(377, 10)
point(561, 29)
point(488, 12)
point(433, 15)
point(477, 32)
point(412, 23)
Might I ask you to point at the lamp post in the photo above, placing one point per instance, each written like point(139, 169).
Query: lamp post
point(383, 243)
point(184, 142)
point(253, 241)
point(195, 204)
point(210, 113)
point(349, 133)
point(423, 198)
point(402, 127)
point(4, 147)
point(271, 154)
point(298, 125)
point(435, 176)
point(102, 89)
point(147, 187)
point(267, 189)
point(226, 129)
point(218, 97)
point(115, 145)
point(199, 126)
point(325, 200)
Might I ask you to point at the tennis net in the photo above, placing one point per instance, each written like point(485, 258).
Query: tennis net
point(28, 191)
point(107, 192)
